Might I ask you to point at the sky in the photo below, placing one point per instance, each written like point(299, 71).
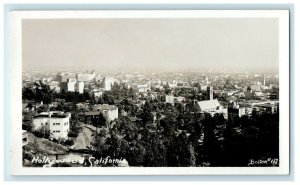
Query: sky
point(154, 45)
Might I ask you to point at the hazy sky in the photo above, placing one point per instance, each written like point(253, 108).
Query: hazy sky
point(150, 44)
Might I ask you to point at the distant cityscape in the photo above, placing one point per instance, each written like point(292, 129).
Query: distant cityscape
point(150, 119)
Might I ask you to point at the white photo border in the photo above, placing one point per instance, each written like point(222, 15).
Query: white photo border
point(15, 72)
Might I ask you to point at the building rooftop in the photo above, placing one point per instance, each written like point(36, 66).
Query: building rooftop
point(105, 107)
point(208, 104)
point(52, 114)
point(133, 118)
point(92, 113)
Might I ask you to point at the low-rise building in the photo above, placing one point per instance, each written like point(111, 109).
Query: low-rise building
point(256, 87)
point(269, 108)
point(211, 107)
point(110, 112)
point(179, 99)
point(55, 122)
point(170, 99)
point(55, 86)
point(46, 80)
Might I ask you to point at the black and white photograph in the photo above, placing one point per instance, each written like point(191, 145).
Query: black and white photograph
point(150, 92)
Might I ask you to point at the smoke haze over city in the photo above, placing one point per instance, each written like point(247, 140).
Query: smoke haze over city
point(151, 44)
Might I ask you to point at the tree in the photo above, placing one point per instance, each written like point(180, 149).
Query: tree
point(28, 93)
point(131, 93)
point(259, 139)
point(99, 144)
point(117, 146)
point(102, 120)
point(42, 132)
point(156, 152)
point(147, 117)
point(99, 120)
point(75, 127)
point(108, 98)
point(41, 92)
point(172, 153)
point(136, 154)
point(92, 99)
point(211, 147)
point(28, 125)
point(191, 156)
point(100, 100)
point(168, 91)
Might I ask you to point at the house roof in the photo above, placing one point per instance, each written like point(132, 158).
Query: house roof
point(92, 113)
point(208, 104)
point(53, 114)
point(105, 107)
point(133, 119)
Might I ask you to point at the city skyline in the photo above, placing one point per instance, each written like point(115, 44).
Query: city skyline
point(160, 45)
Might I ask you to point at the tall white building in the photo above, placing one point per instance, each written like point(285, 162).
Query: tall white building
point(80, 87)
point(55, 122)
point(71, 85)
point(107, 83)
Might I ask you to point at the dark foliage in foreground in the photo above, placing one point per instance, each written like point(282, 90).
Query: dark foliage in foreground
point(225, 143)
